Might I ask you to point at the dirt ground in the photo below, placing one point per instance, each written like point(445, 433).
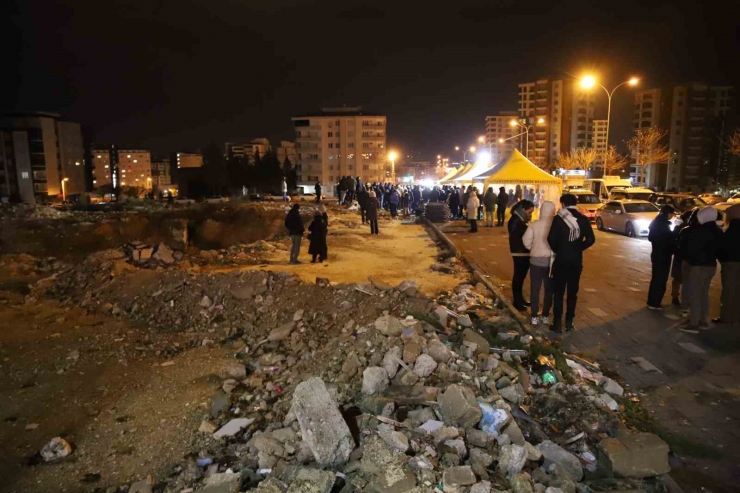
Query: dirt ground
point(130, 399)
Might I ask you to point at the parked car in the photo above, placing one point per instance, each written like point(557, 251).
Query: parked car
point(588, 202)
point(682, 202)
point(631, 193)
point(631, 217)
point(735, 199)
point(712, 198)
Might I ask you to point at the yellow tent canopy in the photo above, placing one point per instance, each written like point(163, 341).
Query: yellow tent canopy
point(461, 172)
point(472, 173)
point(453, 172)
point(517, 170)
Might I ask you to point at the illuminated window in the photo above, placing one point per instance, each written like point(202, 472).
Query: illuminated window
point(136, 161)
point(128, 156)
point(99, 156)
point(106, 166)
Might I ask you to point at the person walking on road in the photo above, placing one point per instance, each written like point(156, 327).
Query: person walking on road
point(501, 203)
point(472, 210)
point(540, 260)
point(317, 238)
point(285, 191)
point(317, 189)
point(701, 249)
point(372, 213)
point(664, 241)
point(294, 225)
point(730, 258)
point(490, 203)
point(570, 235)
point(521, 214)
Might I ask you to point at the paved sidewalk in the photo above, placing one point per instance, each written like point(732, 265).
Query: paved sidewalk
point(695, 393)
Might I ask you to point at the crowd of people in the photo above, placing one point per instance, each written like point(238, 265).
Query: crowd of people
point(688, 250)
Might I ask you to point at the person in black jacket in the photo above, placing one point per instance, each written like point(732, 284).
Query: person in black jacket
point(570, 235)
point(678, 295)
point(489, 201)
point(521, 214)
point(501, 203)
point(294, 225)
point(701, 248)
point(730, 259)
point(362, 199)
point(318, 230)
point(454, 203)
point(317, 189)
point(664, 243)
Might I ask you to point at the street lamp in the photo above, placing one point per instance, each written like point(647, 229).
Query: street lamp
point(515, 123)
point(392, 156)
point(589, 81)
point(64, 189)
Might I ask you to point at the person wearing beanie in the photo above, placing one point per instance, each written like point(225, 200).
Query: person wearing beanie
point(662, 238)
point(700, 249)
point(729, 256)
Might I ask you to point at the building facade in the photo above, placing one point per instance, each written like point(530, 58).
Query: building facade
point(189, 160)
point(598, 142)
point(698, 119)
point(39, 150)
point(286, 151)
point(566, 113)
point(135, 168)
point(247, 152)
point(161, 174)
point(336, 142)
point(104, 167)
point(498, 127)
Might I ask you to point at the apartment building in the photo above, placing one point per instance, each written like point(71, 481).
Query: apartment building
point(248, 151)
point(39, 150)
point(498, 127)
point(336, 142)
point(698, 118)
point(189, 160)
point(599, 143)
point(286, 150)
point(104, 167)
point(566, 113)
point(161, 173)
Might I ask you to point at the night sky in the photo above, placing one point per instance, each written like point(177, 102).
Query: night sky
point(172, 75)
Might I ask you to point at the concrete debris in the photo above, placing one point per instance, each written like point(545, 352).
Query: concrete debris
point(645, 365)
point(424, 366)
point(57, 448)
point(459, 406)
point(374, 380)
point(613, 388)
point(389, 325)
point(566, 462)
point(233, 427)
point(639, 455)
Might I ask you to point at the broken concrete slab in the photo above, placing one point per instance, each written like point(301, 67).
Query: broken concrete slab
point(389, 325)
point(374, 380)
point(322, 425)
point(613, 388)
point(567, 462)
point(638, 455)
point(459, 406)
point(233, 427)
point(481, 344)
point(223, 483)
point(511, 459)
point(645, 365)
point(424, 366)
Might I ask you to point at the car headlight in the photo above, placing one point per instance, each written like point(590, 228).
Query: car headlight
point(643, 223)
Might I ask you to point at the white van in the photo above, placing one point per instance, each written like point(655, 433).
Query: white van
point(602, 186)
point(632, 193)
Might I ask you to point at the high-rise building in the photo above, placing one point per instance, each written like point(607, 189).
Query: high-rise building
point(566, 114)
point(161, 173)
point(39, 151)
point(135, 168)
point(598, 142)
point(697, 118)
point(189, 160)
point(104, 167)
point(498, 127)
point(336, 142)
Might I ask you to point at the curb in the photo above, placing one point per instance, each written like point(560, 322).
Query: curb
point(478, 274)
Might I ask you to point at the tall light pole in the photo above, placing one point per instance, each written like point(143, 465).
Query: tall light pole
point(589, 81)
point(515, 123)
point(392, 156)
point(64, 189)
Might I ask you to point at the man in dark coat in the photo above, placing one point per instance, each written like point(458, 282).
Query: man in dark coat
point(521, 214)
point(294, 225)
point(362, 199)
point(317, 189)
point(318, 230)
point(454, 203)
point(664, 242)
point(501, 203)
point(570, 235)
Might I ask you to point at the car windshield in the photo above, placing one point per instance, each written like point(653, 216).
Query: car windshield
point(693, 202)
point(640, 195)
point(588, 199)
point(637, 208)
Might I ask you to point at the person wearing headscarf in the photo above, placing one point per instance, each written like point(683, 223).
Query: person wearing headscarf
point(372, 213)
point(570, 235)
point(472, 210)
point(729, 257)
point(662, 238)
point(521, 214)
point(540, 259)
point(317, 238)
point(700, 249)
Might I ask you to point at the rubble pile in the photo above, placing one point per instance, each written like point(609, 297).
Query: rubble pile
point(378, 388)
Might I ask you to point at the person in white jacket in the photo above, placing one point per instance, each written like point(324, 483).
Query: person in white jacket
point(472, 210)
point(535, 239)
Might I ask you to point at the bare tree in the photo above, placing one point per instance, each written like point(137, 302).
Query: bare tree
point(647, 149)
point(613, 161)
point(734, 143)
point(579, 158)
